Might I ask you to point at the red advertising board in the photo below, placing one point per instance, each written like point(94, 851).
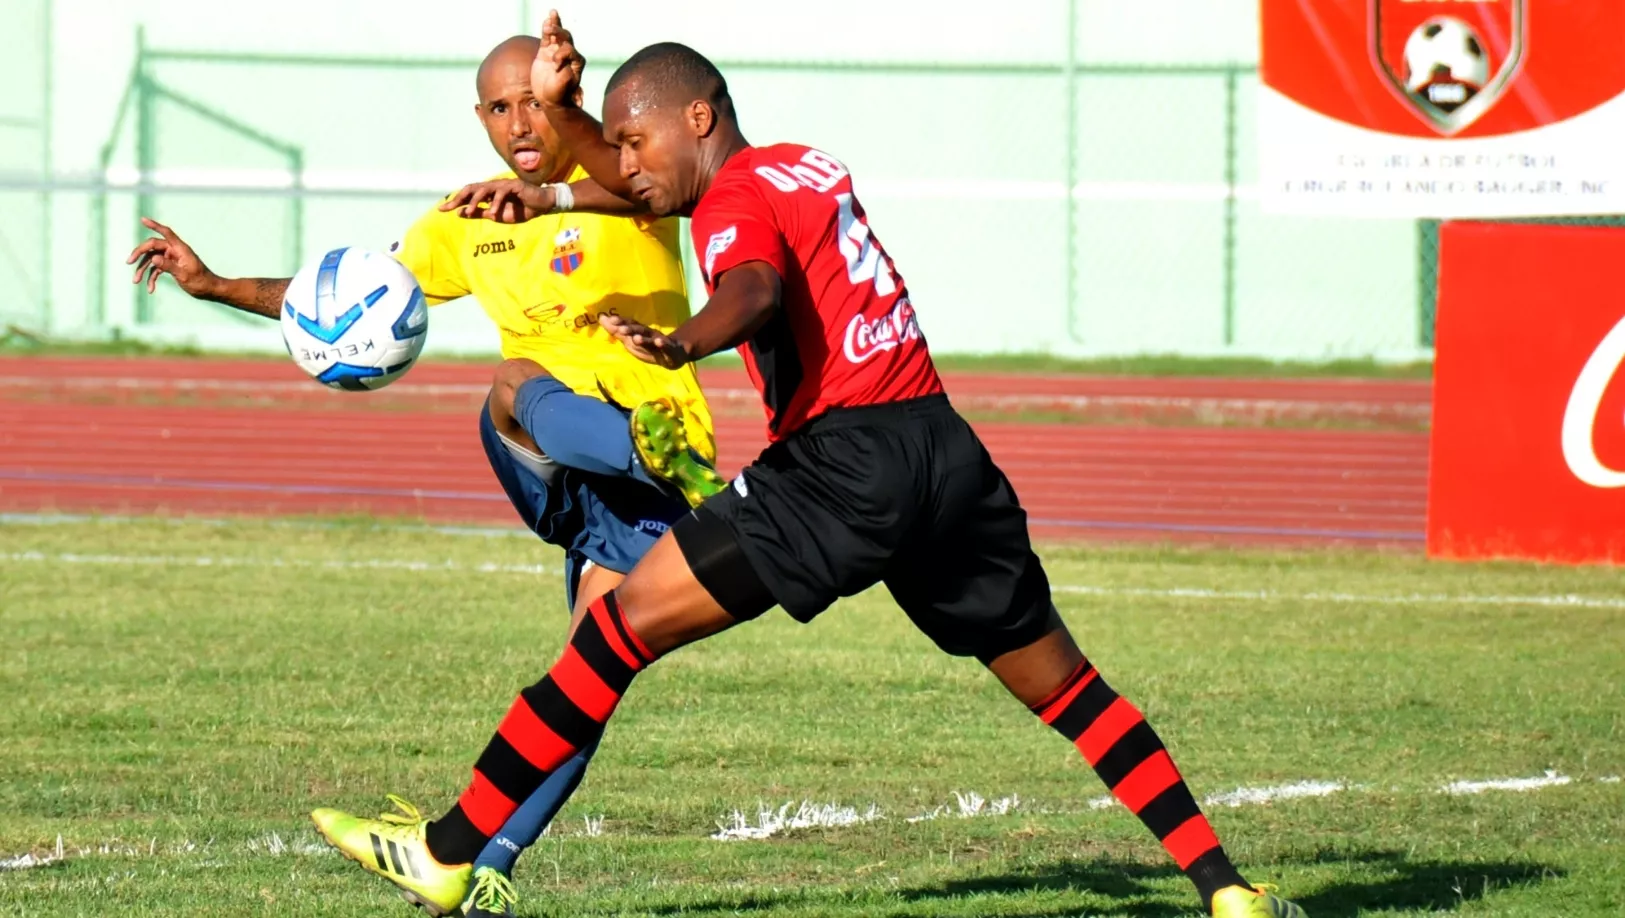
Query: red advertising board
point(1528, 446)
point(1442, 108)
point(1385, 64)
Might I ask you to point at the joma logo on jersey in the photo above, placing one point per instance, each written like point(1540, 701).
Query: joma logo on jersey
point(494, 248)
point(653, 526)
point(818, 171)
point(1449, 60)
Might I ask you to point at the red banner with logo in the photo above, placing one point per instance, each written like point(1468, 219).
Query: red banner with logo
point(1528, 448)
point(1442, 108)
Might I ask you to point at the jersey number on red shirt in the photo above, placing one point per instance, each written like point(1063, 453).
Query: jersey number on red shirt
point(824, 349)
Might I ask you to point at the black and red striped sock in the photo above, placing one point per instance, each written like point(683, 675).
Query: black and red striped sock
point(548, 724)
point(1123, 749)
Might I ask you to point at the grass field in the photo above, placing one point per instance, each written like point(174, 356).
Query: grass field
point(178, 695)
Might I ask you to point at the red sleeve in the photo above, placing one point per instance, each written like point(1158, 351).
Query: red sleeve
point(736, 227)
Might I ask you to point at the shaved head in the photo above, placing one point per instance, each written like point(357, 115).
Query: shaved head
point(512, 116)
point(515, 52)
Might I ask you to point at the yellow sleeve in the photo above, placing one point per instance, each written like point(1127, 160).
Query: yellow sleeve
point(432, 251)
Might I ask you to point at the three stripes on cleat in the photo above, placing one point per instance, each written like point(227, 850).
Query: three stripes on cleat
point(397, 856)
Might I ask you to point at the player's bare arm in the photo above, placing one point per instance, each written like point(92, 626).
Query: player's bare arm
point(168, 253)
point(745, 298)
point(517, 201)
point(555, 79)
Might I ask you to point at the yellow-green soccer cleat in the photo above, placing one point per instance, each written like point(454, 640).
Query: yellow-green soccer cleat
point(493, 896)
point(1241, 902)
point(660, 437)
point(392, 846)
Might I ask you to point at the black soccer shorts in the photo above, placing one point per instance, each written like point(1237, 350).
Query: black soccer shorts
point(901, 493)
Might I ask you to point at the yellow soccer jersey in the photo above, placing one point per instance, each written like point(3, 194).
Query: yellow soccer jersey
point(545, 283)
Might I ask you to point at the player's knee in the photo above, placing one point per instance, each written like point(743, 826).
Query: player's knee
point(505, 383)
point(513, 373)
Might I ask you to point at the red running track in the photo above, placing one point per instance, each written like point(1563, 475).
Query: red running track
point(247, 437)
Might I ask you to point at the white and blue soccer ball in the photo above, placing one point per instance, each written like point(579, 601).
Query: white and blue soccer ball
point(354, 320)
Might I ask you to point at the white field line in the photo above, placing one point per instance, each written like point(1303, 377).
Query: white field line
point(808, 815)
point(833, 815)
point(275, 846)
point(272, 844)
point(1256, 796)
point(813, 815)
point(26, 860)
point(1567, 600)
point(1549, 779)
point(968, 805)
point(771, 822)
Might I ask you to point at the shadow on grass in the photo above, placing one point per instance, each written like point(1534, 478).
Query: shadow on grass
point(1379, 881)
point(1418, 885)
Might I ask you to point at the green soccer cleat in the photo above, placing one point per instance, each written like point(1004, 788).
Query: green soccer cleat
point(392, 846)
point(661, 440)
point(1262, 902)
point(493, 896)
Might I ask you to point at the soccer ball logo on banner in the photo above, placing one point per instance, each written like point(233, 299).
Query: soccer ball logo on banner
point(1445, 63)
point(1450, 67)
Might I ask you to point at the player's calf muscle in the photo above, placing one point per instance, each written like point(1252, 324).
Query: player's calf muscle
point(594, 584)
point(1034, 672)
point(665, 606)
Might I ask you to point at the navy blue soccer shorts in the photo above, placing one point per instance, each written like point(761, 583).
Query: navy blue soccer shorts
point(608, 521)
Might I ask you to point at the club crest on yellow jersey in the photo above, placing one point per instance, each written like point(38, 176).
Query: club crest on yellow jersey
point(567, 251)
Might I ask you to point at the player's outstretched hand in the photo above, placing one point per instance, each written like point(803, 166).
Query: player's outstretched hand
point(555, 76)
point(645, 343)
point(502, 200)
point(168, 253)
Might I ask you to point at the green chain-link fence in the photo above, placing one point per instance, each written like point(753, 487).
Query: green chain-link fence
point(25, 150)
point(1427, 254)
point(1070, 201)
point(1121, 220)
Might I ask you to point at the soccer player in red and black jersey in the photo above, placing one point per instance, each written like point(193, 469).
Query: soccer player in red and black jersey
point(870, 476)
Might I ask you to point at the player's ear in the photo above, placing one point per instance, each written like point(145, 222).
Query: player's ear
point(702, 117)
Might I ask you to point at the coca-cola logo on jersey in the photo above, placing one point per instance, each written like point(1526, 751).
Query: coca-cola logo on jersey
point(867, 337)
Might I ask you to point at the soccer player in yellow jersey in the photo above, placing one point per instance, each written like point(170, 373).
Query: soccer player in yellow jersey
point(555, 426)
